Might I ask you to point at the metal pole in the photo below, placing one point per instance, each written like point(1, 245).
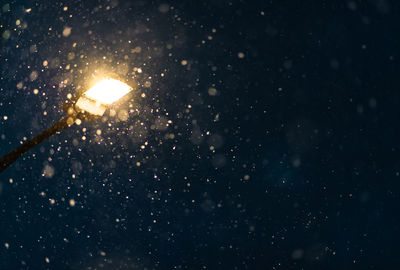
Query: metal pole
point(8, 159)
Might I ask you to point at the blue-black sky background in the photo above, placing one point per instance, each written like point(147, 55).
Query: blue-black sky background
point(263, 135)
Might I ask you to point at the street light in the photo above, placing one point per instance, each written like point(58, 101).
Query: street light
point(89, 106)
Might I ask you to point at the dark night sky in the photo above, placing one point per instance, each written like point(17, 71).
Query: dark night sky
point(263, 135)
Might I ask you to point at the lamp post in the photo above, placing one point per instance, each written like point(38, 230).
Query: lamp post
point(89, 106)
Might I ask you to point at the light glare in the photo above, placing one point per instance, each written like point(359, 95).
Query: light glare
point(108, 91)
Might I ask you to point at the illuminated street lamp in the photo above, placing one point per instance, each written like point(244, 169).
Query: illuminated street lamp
point(89, 106)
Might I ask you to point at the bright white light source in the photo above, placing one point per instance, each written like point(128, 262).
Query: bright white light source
point(103, 93)
point(108, 91)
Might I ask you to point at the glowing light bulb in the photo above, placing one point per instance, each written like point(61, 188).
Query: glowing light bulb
point(98, 97)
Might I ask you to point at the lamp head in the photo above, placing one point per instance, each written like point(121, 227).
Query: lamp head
point(96, 100)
